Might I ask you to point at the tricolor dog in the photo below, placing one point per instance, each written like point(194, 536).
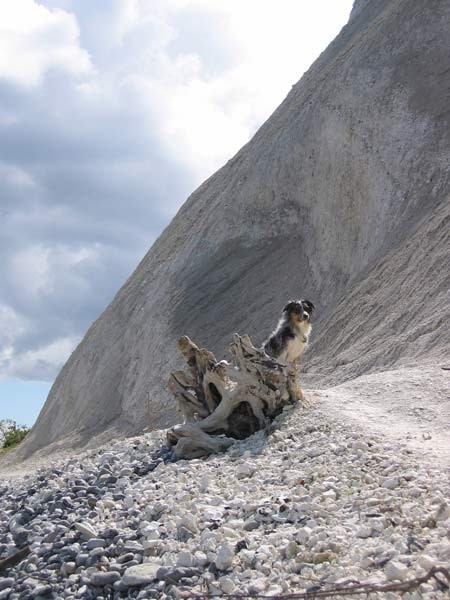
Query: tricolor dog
point(289, 340)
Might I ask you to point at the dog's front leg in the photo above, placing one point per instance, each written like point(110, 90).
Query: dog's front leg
point(294, 385)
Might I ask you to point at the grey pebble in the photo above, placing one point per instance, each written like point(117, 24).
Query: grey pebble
point(41, 590)
point(95, 543)
point(6, 582)
point(104, 578)
point(174, 574)
point(251, 525)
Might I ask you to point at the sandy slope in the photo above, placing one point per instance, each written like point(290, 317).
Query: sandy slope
point(411, 406)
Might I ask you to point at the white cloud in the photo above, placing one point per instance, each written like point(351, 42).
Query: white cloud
point(33, 269)
point(34, 39)
point(41, 364)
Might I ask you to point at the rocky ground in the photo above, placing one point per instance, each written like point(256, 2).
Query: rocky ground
point(317, 502)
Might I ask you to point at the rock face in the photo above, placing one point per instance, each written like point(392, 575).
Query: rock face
point(341, 197)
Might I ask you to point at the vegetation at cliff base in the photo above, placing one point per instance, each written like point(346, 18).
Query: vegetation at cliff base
point(11, 434)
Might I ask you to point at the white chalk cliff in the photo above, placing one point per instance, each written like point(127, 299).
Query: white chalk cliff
point(342, 196)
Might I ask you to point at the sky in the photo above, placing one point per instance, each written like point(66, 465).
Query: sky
point(111, 113)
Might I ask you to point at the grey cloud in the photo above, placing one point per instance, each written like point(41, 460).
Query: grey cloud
point(74, 178)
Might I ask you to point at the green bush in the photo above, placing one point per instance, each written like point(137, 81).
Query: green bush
point(14, 434)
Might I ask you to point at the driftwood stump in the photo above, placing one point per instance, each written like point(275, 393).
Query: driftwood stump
point(222, 401)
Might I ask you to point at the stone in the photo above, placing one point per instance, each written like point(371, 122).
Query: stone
point(364, 532)
point(200, 559)
point(291, 550)
point(126, 472)
point(173, 574)
point(41, 591)
point(225, 557)
point(81, 558)
point(185, 559)
point(109, 532)
point(68, 568)
point(20, 536)
point(322, 557)
point(303, 535)
point(95, 543)
point(396, 571)
point(244, 470)
point(141, 574)
point(86, 529)
point(104, 578)
point(189, 522)
point(442, 512)
point(6, 582)
point(314, 451)
point(390, 483)
point(96, 552)
point(427, 562)
point(132, 546)
point(204, 483)
point(227, 585)
point(251, 524)
point(330, 495)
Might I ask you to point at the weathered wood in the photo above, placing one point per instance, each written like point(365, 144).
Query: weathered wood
point(14, 559)
point(222, 401)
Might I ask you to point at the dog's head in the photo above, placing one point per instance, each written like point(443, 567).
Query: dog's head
point(299, 309)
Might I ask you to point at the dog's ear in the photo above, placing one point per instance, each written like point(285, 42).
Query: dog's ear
point(308, 305)
point(289, 306)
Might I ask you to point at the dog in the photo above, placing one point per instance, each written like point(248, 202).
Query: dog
point(289, 340)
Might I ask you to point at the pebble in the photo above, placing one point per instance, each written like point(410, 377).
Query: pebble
point(200, 559)
point(189, 522)
point(41, 590)
point(227, 585)
point(173, 575)
point(291, 549)
point(390, 483)
point(86, 530)
point(185, 559)
point(426, 562)
point(6, 582)
point(104, 578)
point(132, 546)
point(364, 532)
point(68, 568)
point(225, 557)
point(140, 574)
point(244, 470)
point(396, 571)
point(443, 512)
point(314, 451)
point(251, 524)
point(95, 543)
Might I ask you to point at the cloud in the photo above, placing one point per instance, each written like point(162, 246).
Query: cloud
point(40, 364)
point(34, 39)
point(109, 118)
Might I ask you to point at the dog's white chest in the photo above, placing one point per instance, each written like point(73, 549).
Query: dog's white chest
point(295, 347)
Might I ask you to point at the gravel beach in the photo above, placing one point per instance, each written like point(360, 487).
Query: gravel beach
point(308, 505)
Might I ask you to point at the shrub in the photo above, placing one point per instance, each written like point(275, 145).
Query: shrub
point(12, 434)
